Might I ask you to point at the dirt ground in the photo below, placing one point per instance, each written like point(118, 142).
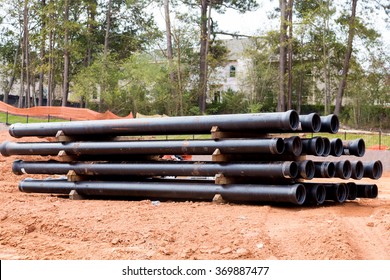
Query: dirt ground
point(45, 226)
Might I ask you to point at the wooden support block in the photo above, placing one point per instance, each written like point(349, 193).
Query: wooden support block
point(218, 199)
point(63, 157)
point(61, 137)
point(73, 195)
point(217, 156)
point(220, 179)
point(73, 177)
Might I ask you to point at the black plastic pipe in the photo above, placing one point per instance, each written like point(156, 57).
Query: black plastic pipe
point(288, 169)
point(313, 146)
point(327, 147)
point(330, 124)
point(295, 194)
point(357, 170)
point(336, 147)
point(355, 147)
point(343, 169)
point(306, 169)
point(260, 122)
point(352, 190)
point(373, 169)
point(366, 190)
point(336, 192)
point(324, 169)
point(154, 147)
point(310, 123)
point(315, 193)
point(293, 145)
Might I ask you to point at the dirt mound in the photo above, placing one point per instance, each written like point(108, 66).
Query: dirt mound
point(67, 113)
point(44, 226)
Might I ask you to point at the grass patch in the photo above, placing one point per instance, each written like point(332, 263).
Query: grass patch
point(370, 139)
point(26, 119)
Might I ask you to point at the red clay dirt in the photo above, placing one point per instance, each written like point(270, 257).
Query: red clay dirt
point(45, 226)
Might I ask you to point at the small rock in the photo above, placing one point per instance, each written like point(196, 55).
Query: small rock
point(30, 229)
point(166, 251)
point(242, 252)
point(225, 251)
point(259, 245)
point(370, 224)
point(156, 203)
point(218, 199)
point(115, 241)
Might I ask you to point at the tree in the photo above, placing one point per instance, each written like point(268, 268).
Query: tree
point(348, 53)
point(65, 82)
point(205, 31)
point(282, 56)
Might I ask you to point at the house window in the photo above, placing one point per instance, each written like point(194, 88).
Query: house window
point(232, 72)
point(217, 97)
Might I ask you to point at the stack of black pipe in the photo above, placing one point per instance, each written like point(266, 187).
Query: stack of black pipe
point(254, 158)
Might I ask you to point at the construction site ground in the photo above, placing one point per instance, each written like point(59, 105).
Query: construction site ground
point(46, 226)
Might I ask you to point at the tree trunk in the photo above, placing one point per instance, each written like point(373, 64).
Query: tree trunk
point(103, 85)
point(65, 85)
point(343, 81)
point(179, 82)
point(326, 62)
point(42, 55)
point(290, 54)
point(170, 54)
point(203, 58)
point(12, 78)
point(91, 26)
point(21, 91)
point(282, 57)
point(50, 75)
point(27, 52)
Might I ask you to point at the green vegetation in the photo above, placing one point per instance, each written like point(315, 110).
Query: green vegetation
point(112, 55)
point(26, 119)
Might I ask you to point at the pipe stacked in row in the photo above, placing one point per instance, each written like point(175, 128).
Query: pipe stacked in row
point(255, 165)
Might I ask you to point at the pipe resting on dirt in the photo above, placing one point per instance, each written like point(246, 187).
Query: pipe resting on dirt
point(367, 190)
point(295, 193)
point(336, 192)
point(315, 193)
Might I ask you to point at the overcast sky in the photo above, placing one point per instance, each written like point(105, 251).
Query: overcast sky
point(257, 22)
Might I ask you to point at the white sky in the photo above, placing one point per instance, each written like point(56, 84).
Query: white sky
point(257, 22)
